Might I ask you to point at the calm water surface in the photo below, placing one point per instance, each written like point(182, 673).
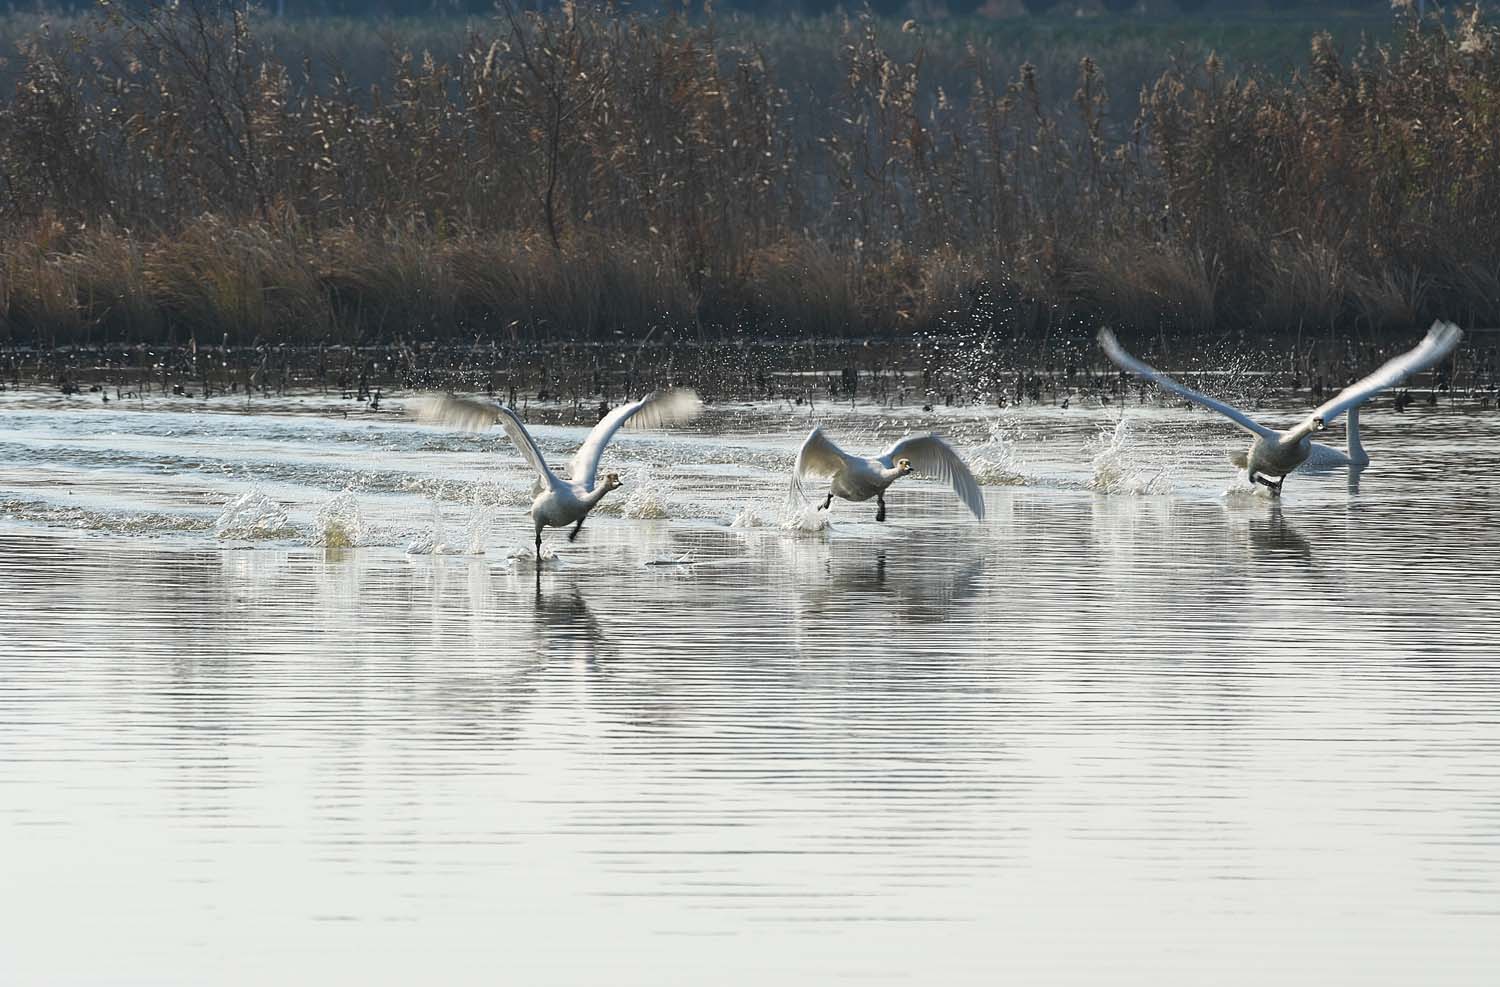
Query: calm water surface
point(282, 700)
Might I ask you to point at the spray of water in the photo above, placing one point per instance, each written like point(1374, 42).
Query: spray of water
point(253, 516)
point(646, 498)
point(748, 517)
point(1118, 467)
point(339, 523)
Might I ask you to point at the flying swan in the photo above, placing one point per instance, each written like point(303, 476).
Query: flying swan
point(1274, 453)
point(855, 478)
point(562, 502)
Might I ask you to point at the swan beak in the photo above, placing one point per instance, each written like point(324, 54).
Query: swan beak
point(1319, 424)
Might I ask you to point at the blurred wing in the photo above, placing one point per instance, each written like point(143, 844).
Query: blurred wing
point(1440, 341)
point(469, 414)
point(1117, 353)
point(818, 457)
point(931, 456)
point(474, 415)
point(657, 408)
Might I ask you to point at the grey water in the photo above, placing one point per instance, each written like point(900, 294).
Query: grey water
point(283, 699)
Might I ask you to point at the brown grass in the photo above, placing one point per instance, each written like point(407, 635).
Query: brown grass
point(588, 175)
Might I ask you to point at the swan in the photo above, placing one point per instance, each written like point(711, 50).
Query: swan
point(855, 478)
point(1274, 453)
point(560, 502)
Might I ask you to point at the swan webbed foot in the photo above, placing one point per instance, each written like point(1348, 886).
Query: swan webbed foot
point(880, 509)
point(827, 501)
point(573, 535)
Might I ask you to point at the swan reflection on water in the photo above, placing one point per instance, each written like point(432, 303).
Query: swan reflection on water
point(565, 624)
point(917, 593)
point(1272, 536)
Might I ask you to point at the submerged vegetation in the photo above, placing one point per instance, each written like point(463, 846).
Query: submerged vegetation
point(167, 173)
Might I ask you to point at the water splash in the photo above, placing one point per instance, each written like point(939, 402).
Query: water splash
point(804, 517)
point(646, 498)
point(748, 517)
point(434, 541)
point(681, 562)
point(1117, 469)
point(477, 529)
point(524, 556)
point(995, 463)
point(1245, 493)
point(339, 523)
point(253, 516)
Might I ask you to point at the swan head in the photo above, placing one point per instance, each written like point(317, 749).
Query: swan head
point(611, 481)
point(1319, 425)
point(903, 466)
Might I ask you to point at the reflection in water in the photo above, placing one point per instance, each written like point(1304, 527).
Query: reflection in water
point(1187, 722)
point(856, 580)
point(1273, 535)
point(567, 626)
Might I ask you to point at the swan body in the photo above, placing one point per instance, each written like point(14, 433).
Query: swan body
point(562, 502)
point(1274, 453)
point(856, 478)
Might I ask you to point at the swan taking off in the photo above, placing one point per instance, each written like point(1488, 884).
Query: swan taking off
point(563, 502)
point(1274, 453)
point(855, 478)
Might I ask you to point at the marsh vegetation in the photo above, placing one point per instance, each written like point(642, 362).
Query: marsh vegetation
point(191, 172)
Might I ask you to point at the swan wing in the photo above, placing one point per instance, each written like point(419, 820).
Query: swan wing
point(657, 408)
point(932, 456)
point(474, 415)
point(468, 414)
point(1439, 342)
point(818, 457)
point(1118, 354)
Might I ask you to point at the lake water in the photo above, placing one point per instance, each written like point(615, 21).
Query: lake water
point(284, 700)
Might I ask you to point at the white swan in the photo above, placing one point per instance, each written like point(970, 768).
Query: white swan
point(855, 478)
point(1274, 453)
point(562, 502)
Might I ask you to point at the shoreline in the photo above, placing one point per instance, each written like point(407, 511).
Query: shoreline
point(923, 372)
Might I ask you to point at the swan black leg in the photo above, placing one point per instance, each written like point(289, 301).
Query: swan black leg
point(880, 510)
point(828, 501)
point(1273, 485)
point(539, 546)
point(576, 528)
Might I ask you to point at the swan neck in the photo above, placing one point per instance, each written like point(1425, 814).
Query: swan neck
point(1357, 453)
point(595, 495)
point(1299, 433)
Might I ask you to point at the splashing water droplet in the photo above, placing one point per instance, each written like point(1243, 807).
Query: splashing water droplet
point(1118, 470)
point(253, 515)
point(340, 524)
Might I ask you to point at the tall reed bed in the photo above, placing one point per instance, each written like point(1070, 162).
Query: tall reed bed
point(166, 175)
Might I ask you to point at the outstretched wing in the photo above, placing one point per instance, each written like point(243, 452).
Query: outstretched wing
point(657, 408)
point(469, 414)
point(474, 415)
point(1117, 353)
point(931, 456)
point(818, 457)
point(1440, 341)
